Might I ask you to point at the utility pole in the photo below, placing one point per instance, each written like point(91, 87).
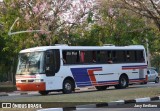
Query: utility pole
point(147, 45)
point(148, 54)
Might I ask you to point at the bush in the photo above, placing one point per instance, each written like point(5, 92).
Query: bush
point(155, 61)
point(2, 78)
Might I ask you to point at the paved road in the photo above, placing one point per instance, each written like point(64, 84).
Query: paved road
point(127, 107)
point(15, 95)
point(124, 107)
point(119, 109)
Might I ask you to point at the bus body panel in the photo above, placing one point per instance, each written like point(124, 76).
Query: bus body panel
point(85, 74)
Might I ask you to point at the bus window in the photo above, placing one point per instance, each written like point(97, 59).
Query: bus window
point(64, 57)
point(110, 61)
point(70, 56)
point(52, 61)
point(102, 56)
point(139, 56)
point(120, 56)
point(127, 57)
point(114, 56)
point(56, 56)
point(49, 69)
point(94, 57)
point(132, 56)
point(82, 53)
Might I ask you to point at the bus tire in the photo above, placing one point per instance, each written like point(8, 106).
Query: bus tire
point(44, 92)
point(68, 86)
point(157, 80)
point(123, 82)
point(100, 88)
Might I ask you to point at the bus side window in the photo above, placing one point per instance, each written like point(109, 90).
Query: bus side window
point(82, 53)
point(49, 69)
point(114, 56)
point(139, 56)
point(109, 61)
point(94, 56)
point(64, 57)
point(127, 57)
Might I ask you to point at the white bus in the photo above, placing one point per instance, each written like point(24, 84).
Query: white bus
point(64, 68)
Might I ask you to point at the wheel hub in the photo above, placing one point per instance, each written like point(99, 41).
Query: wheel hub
point(68, 86)
point(123, 82)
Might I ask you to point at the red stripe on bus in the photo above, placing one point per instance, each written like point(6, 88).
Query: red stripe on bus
point(133, 68)
point(108, 83)
point(135, 81)
point(92, 76)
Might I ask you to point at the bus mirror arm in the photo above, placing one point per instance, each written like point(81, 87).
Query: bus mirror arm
point(47, 68)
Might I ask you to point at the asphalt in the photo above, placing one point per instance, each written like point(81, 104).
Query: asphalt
point(112, 104)
point(99, 105)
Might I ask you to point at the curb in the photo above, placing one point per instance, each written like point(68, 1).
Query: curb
point(13, 94)
point(99, 105)
point(120, 102)
point(3, 94)
point(16, 93)
point(104, 104)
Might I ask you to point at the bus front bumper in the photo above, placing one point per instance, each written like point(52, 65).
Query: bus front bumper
point(41, 86)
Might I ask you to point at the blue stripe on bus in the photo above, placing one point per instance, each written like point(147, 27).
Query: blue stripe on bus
point(103, 83)
point(81, 75)
point(82, 78)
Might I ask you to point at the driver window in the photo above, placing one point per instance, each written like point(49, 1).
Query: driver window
point(49, 63)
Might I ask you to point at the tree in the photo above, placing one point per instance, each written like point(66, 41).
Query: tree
point(132, 23)
point(37, 23)
point(147, 8)
point(50, 18)
point(120, 26)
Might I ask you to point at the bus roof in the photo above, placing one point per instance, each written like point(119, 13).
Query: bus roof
point(44, 48)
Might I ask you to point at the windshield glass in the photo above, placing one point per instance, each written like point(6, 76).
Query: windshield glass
point(31, 63)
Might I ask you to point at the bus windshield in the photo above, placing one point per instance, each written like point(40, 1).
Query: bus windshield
point(31, 63)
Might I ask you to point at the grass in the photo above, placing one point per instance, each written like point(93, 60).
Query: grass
point(94, 96)
point(7, 88)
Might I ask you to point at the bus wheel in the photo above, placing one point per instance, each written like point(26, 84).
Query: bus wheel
point(100, 88)
point(157, 80)
point(43, 92)
point(123, 82)
point(67, 86)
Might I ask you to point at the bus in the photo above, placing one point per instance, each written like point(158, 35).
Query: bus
point(64, 68)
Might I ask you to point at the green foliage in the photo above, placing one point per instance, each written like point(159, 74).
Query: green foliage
point(90, 17)
point(113, 25)
point(155, 61)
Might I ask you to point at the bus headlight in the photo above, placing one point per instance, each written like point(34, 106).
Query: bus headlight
point(38, 80)
point(18, 81)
